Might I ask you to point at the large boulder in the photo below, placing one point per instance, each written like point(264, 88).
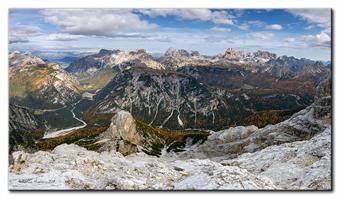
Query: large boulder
point(121, 135)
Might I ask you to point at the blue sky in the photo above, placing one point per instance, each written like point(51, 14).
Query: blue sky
point(61, 32)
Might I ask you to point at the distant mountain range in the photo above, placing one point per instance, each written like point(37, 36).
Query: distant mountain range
point(260, 61)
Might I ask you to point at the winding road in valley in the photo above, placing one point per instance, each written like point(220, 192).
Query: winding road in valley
point(67, 130)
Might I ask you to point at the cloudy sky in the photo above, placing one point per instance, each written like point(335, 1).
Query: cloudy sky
point(61, 32)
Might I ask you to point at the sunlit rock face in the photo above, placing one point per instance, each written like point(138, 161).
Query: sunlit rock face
point(121, 135)
point(231, 54)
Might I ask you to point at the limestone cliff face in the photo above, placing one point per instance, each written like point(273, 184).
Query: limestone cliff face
point(231, 54)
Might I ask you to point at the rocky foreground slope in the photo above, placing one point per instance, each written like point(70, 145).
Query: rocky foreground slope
point(297, 165)
point(292, 155)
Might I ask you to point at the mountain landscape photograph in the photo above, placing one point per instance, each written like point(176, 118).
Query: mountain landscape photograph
point(170, 99)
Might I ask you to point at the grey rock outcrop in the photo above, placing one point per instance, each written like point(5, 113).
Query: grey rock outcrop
point(121, 135)
point(231, 54)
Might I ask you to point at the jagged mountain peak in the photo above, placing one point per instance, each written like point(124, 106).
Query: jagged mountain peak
point(264, 54)
point(176, 52)
point(231, 54)
point(103, 52)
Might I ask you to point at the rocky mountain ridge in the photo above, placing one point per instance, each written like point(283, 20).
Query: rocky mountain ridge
point(162, 99)
point(302, 125)
point(172, 59)
point(40, 84)
point(111, 58)
point(18, 59)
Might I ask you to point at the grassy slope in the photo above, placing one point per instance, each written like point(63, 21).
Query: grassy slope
point(97, 80)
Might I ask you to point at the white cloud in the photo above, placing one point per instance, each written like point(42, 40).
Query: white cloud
point(213, 39)
point(246, 26)
point(63, 37)
point(274, 27)
point(243, 26)
point(321, 17)
point(316, 17)
point(21, 34)
point(14, 39)
point(217, 17)
point(290, 39)
point(155, 36)
point(319, 40)
point(95, 22)
point(219, 29)
point(310, 27)
point(262, 35)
